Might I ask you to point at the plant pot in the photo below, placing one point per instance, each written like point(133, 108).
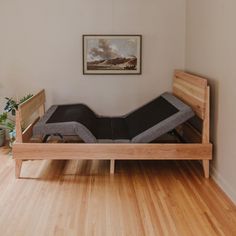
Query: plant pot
point(2, 137)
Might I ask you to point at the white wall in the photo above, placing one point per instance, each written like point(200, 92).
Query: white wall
point(40, 47)
point(211, 51)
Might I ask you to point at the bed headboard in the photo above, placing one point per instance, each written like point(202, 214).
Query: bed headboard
point(192, 90)
point(195, 92)
point(28, 114)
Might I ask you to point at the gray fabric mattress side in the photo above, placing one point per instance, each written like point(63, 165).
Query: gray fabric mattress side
point(63, 128)
point(185, 112)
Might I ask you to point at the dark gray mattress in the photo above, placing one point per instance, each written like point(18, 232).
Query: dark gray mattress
point(142, 125)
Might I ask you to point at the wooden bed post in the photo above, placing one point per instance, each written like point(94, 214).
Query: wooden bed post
point(18, 164)
point(194, 91)
point(19, 139)
point(206, 132)
point(112, 166)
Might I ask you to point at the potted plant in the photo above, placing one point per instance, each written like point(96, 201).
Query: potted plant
point(7, 121)
point(9, 125)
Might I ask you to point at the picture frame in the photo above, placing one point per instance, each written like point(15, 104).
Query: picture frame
point(112, 54)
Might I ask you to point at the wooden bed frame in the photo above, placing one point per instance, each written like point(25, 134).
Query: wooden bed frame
point(191, 89)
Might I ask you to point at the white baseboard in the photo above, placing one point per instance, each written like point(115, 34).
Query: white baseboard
point(223, 184)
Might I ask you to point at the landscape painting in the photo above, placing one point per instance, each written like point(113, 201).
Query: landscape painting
point(112, 54)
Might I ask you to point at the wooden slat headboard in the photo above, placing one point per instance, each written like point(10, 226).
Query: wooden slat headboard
point(27, 114)
point(195, 92)
point(192, 90)
point(33, 104)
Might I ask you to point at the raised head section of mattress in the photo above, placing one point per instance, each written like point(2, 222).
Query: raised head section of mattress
point(74, 119)
point(157, 117)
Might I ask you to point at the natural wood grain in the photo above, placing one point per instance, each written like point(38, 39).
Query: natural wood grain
point(192, 90)
point(196, 92)
point(28, 114)
point(33, 104)
point(191, 134)
point(18, 127)
point(28, 132)
point(42, 108)
point(206, 168)
point(18, 165)
point(192, 79)
point(186, 96)
point(118, 151)
point(206, 131)
point(112, 166)
point(153, 198)
point(206, 121)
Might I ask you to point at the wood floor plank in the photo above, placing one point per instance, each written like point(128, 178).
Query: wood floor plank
point(82, 198)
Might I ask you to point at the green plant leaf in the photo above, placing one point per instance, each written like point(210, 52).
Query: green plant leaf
point(11, 107)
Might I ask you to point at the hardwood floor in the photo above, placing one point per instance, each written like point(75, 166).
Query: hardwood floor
point(81, 198)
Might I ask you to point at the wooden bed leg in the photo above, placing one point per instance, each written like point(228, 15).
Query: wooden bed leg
point(112, 166)
point(206, 167)
point(18, 165)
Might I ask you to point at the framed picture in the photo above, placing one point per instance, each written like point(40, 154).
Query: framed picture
point(112, 54)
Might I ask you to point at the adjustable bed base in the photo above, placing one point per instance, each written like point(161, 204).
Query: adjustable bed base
point(134, 140)
point(142, 125)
